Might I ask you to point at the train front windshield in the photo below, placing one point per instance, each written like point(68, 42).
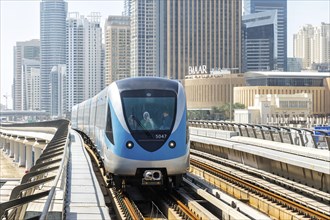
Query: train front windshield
point(149, 110)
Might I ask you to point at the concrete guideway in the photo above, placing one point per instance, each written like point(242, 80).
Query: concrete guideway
point(25, 145)
point(84, 196)
point(302, 164)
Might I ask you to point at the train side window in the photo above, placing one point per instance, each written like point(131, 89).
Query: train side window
point(108, 128)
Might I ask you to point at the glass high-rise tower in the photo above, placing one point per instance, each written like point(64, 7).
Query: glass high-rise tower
point(255, 6)
point(52, 44)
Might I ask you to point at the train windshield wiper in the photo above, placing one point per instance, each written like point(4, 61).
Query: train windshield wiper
point(146, 131)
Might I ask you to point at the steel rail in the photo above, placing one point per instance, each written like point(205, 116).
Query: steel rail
point(184, 208)
point(303, 209)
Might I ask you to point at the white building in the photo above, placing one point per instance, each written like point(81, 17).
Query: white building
point(94, 77)
point(31, 84)
point(23, 50)
point(312, 44)
point(58, 90)
point(117, 33)
point(85, 76)
point(276, 109)
point(35, 89)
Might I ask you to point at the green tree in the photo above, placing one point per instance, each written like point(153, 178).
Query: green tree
point(225, 109)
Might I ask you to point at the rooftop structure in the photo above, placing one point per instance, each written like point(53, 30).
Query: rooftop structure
point(285, 78)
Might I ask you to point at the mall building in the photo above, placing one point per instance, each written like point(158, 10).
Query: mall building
point(208, 90)
point(315, 83)
point(205, 91)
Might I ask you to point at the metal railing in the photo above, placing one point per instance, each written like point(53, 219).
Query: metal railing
point(297, 136)
point(44, 176)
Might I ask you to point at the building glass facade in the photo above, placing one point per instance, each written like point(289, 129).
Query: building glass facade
point(52, 43)
point(260, 41)
point(255, 6)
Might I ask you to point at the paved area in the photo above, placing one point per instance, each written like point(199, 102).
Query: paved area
point(84, 195)
point(9, 169)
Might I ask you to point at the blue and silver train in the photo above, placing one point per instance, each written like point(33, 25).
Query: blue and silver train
point(139, 126)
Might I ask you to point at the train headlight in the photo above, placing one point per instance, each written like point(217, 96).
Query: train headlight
point(172, 144)
point(129, 144)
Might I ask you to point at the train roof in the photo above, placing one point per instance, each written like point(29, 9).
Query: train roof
point(147, 83)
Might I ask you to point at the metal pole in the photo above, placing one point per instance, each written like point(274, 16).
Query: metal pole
point(230, 104)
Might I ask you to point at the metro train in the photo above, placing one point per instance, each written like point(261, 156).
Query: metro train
point(139, 126)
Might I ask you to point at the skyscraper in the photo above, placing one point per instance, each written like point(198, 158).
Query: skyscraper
point(200, 33)
point(84, 58)
point(260, 41)
point(74, 61)
point(255, 6)
point(312, 45)
point(94, 75)
point(168, 37)
point(52, 43)
point(117, 34)
point(22, 50)
point(303, 45)
point(143, 37)
point(31, 84)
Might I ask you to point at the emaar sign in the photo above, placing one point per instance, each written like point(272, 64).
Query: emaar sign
point(194, 70)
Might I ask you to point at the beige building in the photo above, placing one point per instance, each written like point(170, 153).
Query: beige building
point(206, 91)
point(314, 83)
point(117, 34)
point(276, 109)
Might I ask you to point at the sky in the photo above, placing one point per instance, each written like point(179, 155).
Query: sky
point(20, 22)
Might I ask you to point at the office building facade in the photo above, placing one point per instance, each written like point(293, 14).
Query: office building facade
point(117, 35)
point(200, 33)
point(260, 41)
point(22, 50)
point(84, 74)
point(52, 43)
point(144, 37)
point(280, 6)
point(31, 84)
